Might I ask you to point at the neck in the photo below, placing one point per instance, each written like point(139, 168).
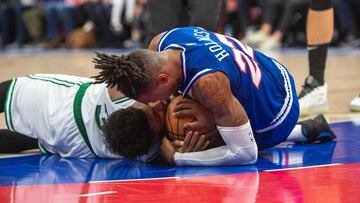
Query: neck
point(174, 65)
point(114, 93)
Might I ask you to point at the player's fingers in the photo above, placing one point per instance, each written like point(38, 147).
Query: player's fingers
point(205, 145)
point(187, 139)
point(193, 142)
point(177, 143)
point(181, 106)
point(185, 100)
point(184, 113)
point(193, 125)
point(200, 142)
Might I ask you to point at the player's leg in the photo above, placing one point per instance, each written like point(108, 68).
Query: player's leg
point(157, 22)
point(319, 30)
point(312, 131)
point(14, 142)
point(4, 86)
point(274, 8)
point(205, 15)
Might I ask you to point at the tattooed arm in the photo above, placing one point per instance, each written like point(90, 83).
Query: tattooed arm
point(213, 91)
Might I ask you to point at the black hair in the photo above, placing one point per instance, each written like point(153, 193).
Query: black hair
point(128, 133)
point(130, 73)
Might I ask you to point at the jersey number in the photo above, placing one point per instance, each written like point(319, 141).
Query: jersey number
point(243, 57)
point(101, 115)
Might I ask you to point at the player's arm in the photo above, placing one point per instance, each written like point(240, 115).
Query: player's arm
point(214, 93)
point(155, 41)
point(219, 156)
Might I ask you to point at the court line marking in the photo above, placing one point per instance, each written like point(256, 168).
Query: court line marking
point(18, 155)
point(128, 180)
point(97, 193)
point(303, 167)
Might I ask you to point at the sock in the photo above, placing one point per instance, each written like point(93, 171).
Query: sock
point(317, 59)
point(320, 5)
point(297, 135)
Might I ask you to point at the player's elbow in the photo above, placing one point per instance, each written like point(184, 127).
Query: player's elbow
point(246, 156)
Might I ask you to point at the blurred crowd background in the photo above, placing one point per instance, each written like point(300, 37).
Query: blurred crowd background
point(266, 24)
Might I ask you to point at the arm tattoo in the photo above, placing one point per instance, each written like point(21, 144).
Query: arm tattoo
point(213, 91)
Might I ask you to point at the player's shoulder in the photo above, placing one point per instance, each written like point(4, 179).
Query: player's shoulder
point(155, 41)
point(175, 32)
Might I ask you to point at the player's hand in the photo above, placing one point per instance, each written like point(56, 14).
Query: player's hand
point(194, 142)
point(177, 144)
point(189, 107)
point(167, 151)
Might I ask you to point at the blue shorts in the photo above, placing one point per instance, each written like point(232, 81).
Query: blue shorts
point(281, 132)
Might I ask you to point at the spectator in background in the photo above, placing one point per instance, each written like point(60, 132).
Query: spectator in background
point(33, 18)
point(95, 17)
point(167, 14)
point(240, 14)
point(117, 13)
point(60, 21)
point(13, 27)
point(278, 18)
point(138, 25)
point(349, 16)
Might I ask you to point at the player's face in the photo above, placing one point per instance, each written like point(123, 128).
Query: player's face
point(155, 113)
point(155, 94)
point(160, 89)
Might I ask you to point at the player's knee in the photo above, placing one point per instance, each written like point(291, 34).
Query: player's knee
point(320, 5)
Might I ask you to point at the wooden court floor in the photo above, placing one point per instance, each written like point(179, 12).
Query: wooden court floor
point(342, 71)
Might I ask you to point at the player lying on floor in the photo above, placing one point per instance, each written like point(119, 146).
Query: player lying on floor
point(248, 92)
point(65, 115)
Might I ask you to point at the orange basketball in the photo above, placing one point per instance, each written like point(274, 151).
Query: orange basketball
point(175, 126)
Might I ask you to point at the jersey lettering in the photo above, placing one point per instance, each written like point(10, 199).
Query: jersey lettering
point(242, 56)
point(213, 46)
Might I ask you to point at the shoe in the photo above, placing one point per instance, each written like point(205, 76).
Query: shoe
point(313, 97)
point(317, 130)
point(256, 39)
point(270, 44)
point(53, 43)
point(355, 104)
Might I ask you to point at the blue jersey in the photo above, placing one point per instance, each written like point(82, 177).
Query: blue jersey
point(261, 84)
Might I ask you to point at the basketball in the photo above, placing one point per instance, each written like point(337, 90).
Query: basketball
point(175, 126)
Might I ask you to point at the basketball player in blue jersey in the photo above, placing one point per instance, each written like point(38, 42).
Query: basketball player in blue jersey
point(251, 96)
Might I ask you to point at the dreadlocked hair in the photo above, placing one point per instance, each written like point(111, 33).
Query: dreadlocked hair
point(130, 73)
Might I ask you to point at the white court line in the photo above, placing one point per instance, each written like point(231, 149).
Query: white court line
point(128, 180)
point(18, 155)
point(97, 193)
point(303, 167)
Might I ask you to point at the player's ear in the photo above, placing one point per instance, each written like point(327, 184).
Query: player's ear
point(163, 78)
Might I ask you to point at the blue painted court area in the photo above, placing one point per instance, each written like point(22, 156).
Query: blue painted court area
point(44, 169)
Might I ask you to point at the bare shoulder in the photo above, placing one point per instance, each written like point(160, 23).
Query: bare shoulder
point(155, 41)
